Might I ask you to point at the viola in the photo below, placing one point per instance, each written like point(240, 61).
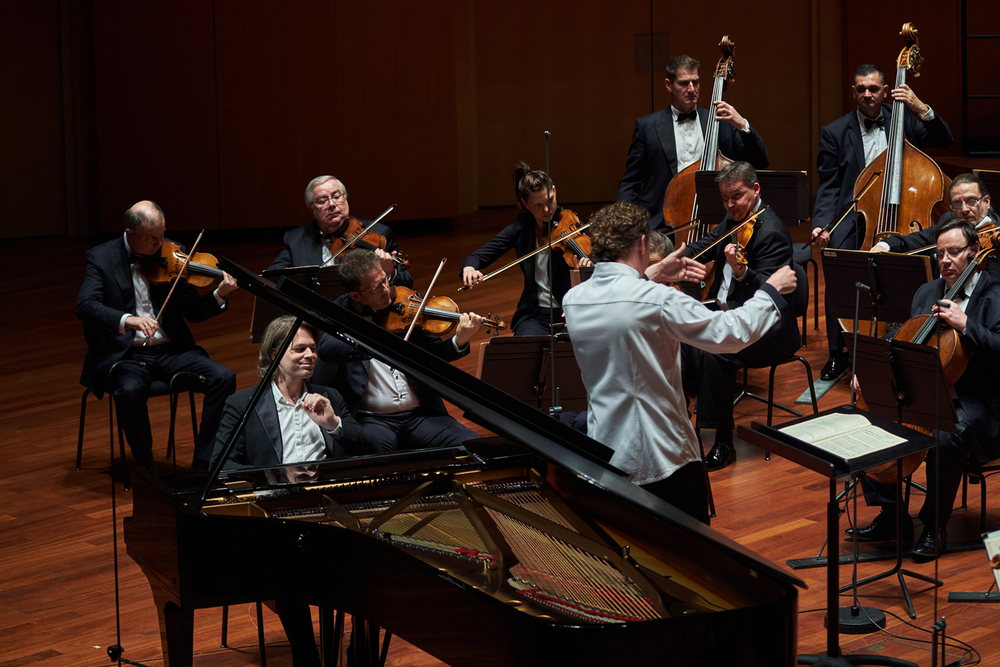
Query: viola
point(569, 238)
point(439, 316)
point(743, 237)
point(913, 188)
point(353, 235)
point(200, 271)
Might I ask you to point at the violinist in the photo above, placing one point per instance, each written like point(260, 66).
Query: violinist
point(846, 147)
point(400, 414)
point(119, 306)
point(309, 245)
point(668, 140)
point(975, 315)
point(540, 301)
point(969, 200)
point(712, 376)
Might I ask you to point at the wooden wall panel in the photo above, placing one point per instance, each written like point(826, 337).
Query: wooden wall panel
point(32, 184)
point(156, 111)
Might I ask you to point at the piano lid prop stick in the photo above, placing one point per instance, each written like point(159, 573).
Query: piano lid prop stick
point(423, 301)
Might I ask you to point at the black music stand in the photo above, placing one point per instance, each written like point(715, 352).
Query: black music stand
point(834, 465)
point(889, 300)
point(786, 192)
point(324, 281)
point(522, 367)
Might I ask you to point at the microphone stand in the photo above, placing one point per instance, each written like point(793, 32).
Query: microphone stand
point(555, 410)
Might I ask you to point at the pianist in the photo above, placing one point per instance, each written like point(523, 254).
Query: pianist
point(627, 333)
point(293, 422)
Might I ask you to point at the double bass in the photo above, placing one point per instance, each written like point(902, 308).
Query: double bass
point(913, 188)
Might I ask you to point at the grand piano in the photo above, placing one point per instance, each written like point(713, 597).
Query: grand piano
point(527, 548)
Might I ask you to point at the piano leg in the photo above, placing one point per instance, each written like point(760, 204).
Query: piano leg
point(176, 634)
point(364, 643)
point(331, 632)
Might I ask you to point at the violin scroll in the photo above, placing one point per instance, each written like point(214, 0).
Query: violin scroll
point(910, 58)
point(724, 68)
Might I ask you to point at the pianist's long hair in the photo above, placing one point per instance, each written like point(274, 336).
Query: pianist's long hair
point(276, 332)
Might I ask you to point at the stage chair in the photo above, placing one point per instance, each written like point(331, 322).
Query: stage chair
point(802, 257)
point(976, 473)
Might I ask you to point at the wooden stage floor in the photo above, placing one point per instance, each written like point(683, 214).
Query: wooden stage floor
point(56, 574)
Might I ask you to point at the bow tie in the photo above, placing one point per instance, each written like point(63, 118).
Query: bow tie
point(133, 258)
point(869, 122)
point(691, 115)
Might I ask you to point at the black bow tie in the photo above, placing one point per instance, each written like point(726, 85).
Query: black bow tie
point(691, 115)
point(869, 122)
point(133, 258)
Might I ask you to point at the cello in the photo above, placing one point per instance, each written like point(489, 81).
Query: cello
point(913, 188)
point(680, 203)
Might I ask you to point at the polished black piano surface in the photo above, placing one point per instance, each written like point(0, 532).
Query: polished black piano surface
point(523, 549)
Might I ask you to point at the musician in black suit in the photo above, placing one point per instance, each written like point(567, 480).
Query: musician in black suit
point(976, 318)
point(398, 412)
point(969, 200)
point(293, 422)
point(846, 147)
point(668, 140)
point(309, 245)
point(118, 306)
point(713, 376)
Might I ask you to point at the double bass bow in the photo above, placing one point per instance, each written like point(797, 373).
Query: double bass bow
point(913, 188)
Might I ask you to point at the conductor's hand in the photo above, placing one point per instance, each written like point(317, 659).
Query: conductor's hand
point(471, 277)
point(320, 410)
point(147, 326)
point(468, 324)
point(950, 314)
point(783, 280)
point(675, 268)
point(820, 238)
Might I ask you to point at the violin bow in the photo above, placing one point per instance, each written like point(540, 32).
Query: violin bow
point(734, 230)
point(176, 280)
point(851, 205)
point(347, 244)
point(564, 237)
point(420, 308)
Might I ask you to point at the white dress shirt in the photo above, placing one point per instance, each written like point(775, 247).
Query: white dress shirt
point(627, 334)
point(689, 141)
point(301, 438)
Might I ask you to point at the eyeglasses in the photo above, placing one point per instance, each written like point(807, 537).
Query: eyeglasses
point(971, 203)
point(951, 253)
point(322, 202)
point(381, 284)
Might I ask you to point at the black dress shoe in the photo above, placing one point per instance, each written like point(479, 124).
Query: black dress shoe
point(722, 454)
point(929, 546)
point(835, 366)
point(883, 529)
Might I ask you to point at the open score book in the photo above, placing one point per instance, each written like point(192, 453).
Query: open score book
point(846, 436)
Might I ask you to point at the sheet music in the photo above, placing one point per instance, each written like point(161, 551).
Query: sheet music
point(992, 542)
point(846, 436)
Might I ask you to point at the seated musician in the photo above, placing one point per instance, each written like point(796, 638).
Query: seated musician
point(660, 246)
point(119, 308)
point(976, 318)
point(400, 414)
point(293, 422)
point(309, 245)
point(712, 376)
point(969, 199)
point(627, 333)
point(667, 141)
point(540, 301)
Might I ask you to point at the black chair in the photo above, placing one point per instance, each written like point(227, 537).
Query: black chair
point(802, 257)
point(976, 473)
point(178, 384)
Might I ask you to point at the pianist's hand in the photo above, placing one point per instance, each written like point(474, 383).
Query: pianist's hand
point(320, 411)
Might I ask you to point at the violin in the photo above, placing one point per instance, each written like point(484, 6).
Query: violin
point(743, 236)
point(200, 271)
point(575, 247)
point(354, 236)
point(440, 315)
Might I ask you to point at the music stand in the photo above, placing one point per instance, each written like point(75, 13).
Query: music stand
point(324, 281)
point(889, 300)
point(522, 367)
point(834, 464)
point(786, 192)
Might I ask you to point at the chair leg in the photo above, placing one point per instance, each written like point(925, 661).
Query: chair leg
point(982, 503)
point(173, 418)
point(260, 634)
point(83, 421)
point(126, 473)
point(815, 293)
point(225, 627)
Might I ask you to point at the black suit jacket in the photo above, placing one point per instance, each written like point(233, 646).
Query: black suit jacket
point(353, 364)
point(977, 389)
point(303, 246)
point(841, 160)
point(107, 293)
point(520, 235)
point(260, 445)
point(769, 249)
point(652, 158)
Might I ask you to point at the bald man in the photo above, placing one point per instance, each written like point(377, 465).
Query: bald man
point(119, 307)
